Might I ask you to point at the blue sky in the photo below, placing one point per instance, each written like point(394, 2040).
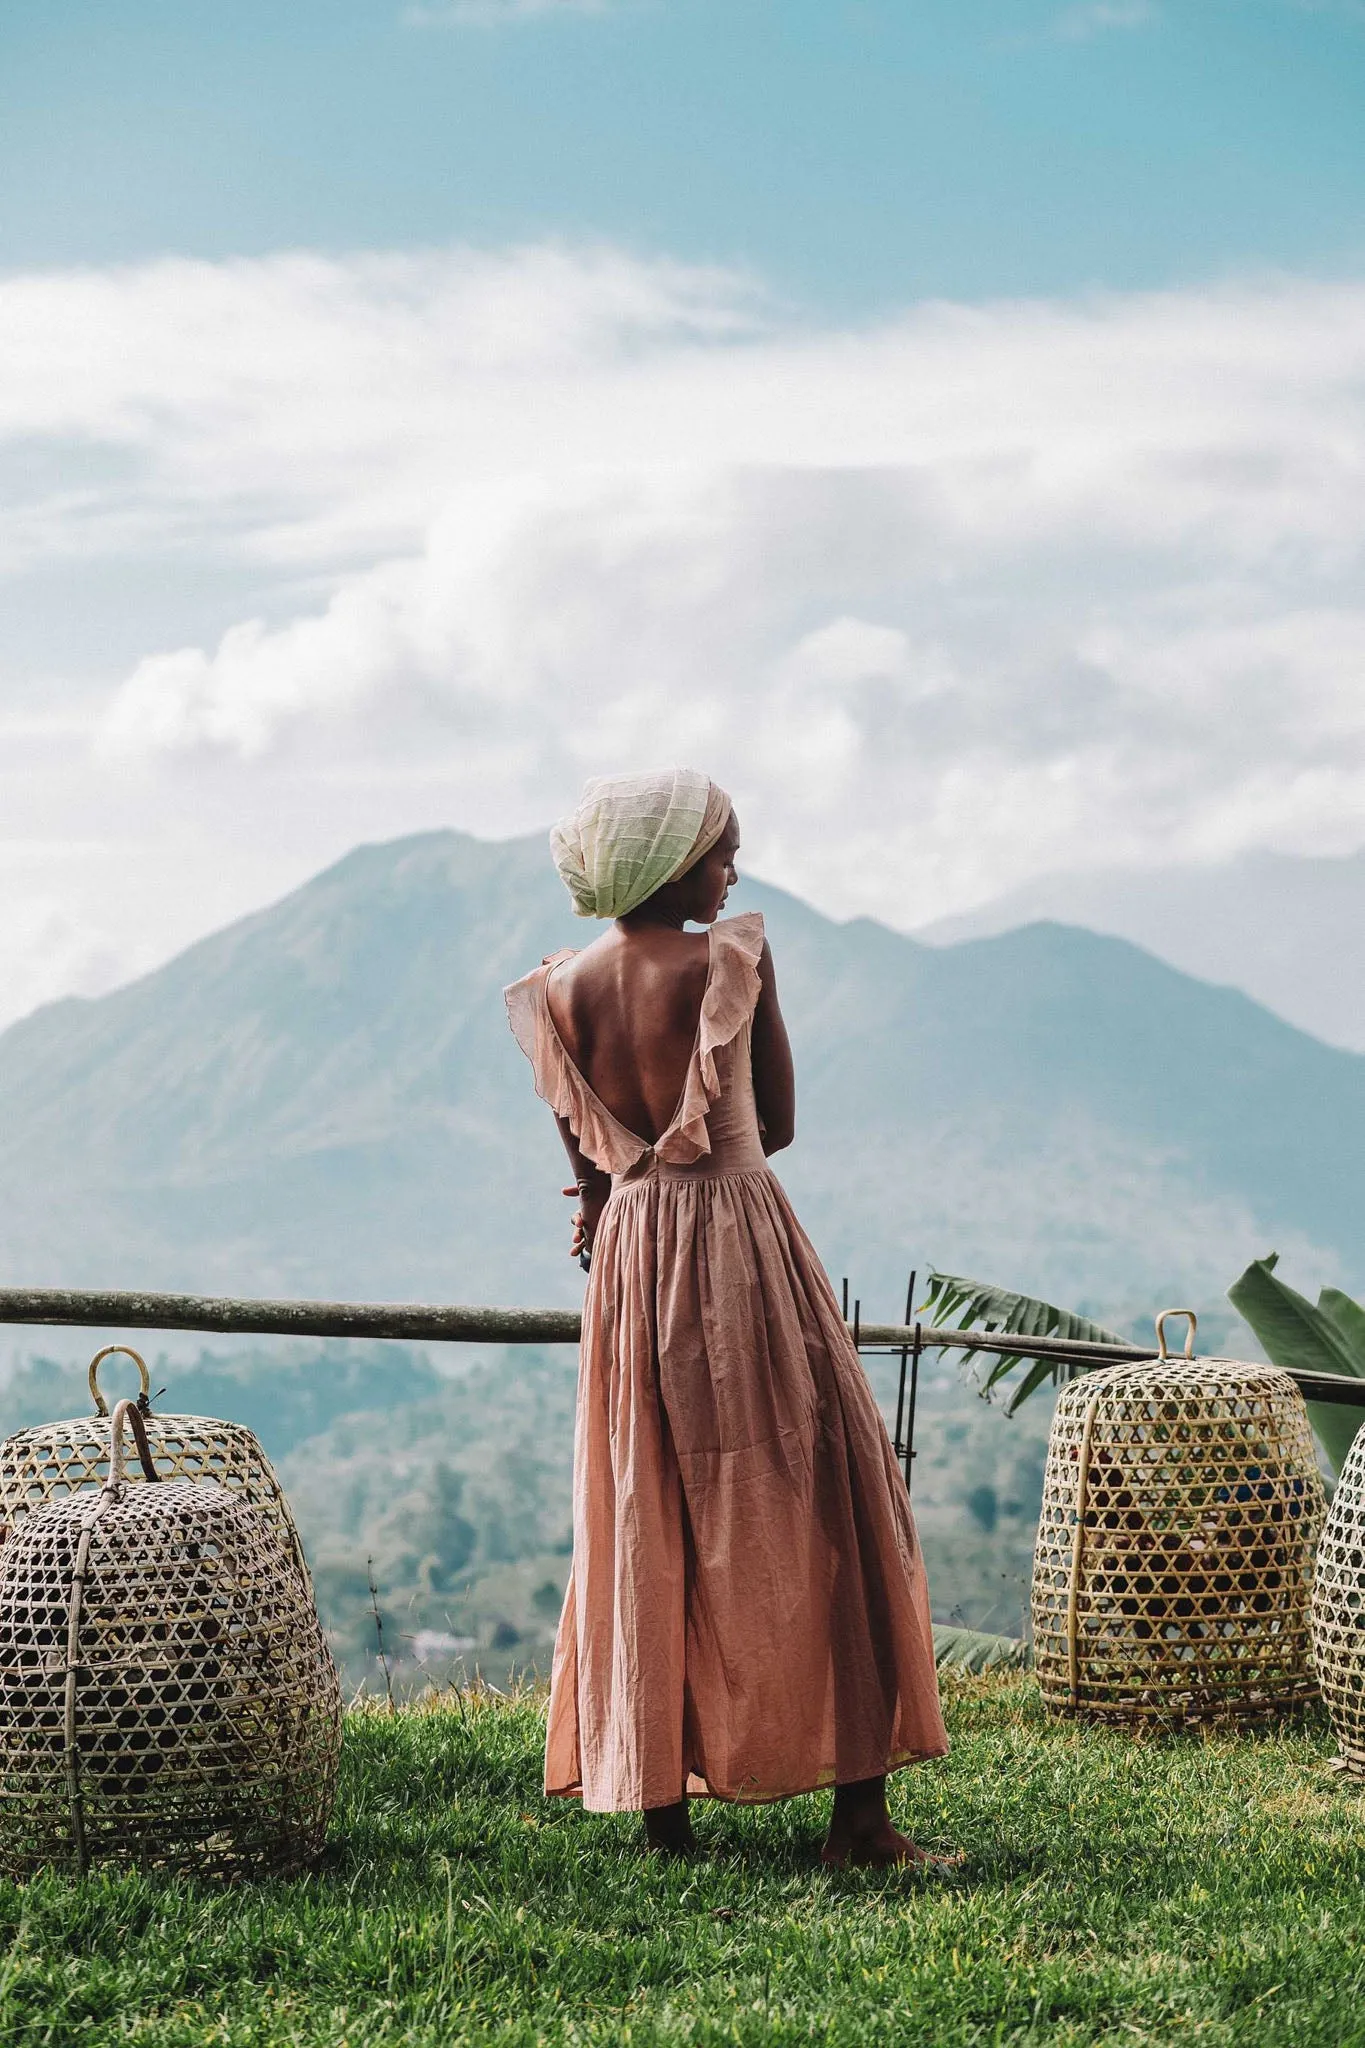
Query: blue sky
point(943, 423)
point(855, 154)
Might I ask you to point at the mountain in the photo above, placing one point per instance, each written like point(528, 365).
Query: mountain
point(324, 1099)
point(1285, 930)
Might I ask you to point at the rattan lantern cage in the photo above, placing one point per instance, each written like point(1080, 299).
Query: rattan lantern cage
point(60, 1458)
point(1339, 1611)
point(167, 1696)
point(1181, 1506)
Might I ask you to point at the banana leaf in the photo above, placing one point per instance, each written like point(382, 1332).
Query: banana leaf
point(1294, 1333)
point(1349, 1318)
point(967, 1649)
point(997, 1309)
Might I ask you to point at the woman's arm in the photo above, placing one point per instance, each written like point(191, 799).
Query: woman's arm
point(591, 1186)
point(774, 1076)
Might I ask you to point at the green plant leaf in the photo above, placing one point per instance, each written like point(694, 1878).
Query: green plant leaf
point(967, 1649)
point(1335, 1429)
point(1349, 1318)
point(1293, 1331)
point(1296, 1334)
point(998, 1309)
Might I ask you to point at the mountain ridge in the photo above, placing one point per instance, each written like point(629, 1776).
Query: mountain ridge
point(1284, 928)
point(324, 1098)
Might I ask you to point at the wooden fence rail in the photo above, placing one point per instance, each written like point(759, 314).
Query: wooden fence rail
point(444, 1324)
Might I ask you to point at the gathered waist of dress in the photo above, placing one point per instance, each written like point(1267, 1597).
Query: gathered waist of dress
point(715, 1165)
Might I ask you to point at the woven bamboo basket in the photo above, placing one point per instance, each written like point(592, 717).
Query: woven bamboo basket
point(61, 1458)
point(1172, 1576)
point(1339, 1611)
point(166, 1693)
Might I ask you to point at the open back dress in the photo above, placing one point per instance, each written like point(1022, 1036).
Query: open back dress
point(747, 1615)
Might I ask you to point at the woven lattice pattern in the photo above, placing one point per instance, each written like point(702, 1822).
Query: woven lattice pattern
point(1181, 1506)
point(205, 1707)
point(1339, 1609)
point(61, 1458)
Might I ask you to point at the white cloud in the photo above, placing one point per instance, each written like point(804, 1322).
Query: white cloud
point(48, 952)
point(307, 405)
point(952, 600)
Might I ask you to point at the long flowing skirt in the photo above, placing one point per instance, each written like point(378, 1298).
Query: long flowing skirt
point(747, 1614)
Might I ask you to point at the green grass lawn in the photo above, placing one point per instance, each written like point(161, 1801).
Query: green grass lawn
point(1168, 1891)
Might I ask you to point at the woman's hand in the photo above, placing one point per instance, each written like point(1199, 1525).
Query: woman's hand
point(592, 1188)
point(592, 1200)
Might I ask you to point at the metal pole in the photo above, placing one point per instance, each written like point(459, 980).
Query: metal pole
point(914, 1396)
point(905, 1353)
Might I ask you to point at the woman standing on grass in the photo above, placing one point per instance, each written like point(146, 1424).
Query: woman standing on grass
point(747, 1615)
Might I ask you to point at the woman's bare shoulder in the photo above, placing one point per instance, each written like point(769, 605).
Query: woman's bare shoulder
point(581, 969)
point(655, 953)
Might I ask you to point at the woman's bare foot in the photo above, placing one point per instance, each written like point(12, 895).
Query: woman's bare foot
point(876, 1851)
point(668, 1830)
point(861, 1833)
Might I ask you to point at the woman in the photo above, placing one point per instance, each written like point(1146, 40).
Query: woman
point(747, 1615)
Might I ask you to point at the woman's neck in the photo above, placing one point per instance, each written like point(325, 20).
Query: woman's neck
point(652, 915)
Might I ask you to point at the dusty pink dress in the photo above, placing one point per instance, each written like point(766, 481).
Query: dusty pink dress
point(747, 1612)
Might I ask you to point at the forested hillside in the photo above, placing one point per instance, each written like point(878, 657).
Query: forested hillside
point(455, 1483)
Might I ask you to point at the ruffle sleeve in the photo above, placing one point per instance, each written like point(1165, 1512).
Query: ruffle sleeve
point(732, 993)
point(601, 1138)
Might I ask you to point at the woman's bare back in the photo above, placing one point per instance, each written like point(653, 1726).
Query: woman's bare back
point(627, 1009)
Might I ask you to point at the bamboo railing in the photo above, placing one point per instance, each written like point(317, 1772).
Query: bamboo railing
point(435, 1323)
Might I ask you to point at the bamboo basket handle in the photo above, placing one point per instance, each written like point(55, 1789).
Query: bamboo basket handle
point(144, 1401)
point(1162, 1352)
point(127, 1411)
point(1073, 1591)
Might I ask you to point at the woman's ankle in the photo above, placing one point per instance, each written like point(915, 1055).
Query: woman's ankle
point(860, 1807)
point(669, 1827)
